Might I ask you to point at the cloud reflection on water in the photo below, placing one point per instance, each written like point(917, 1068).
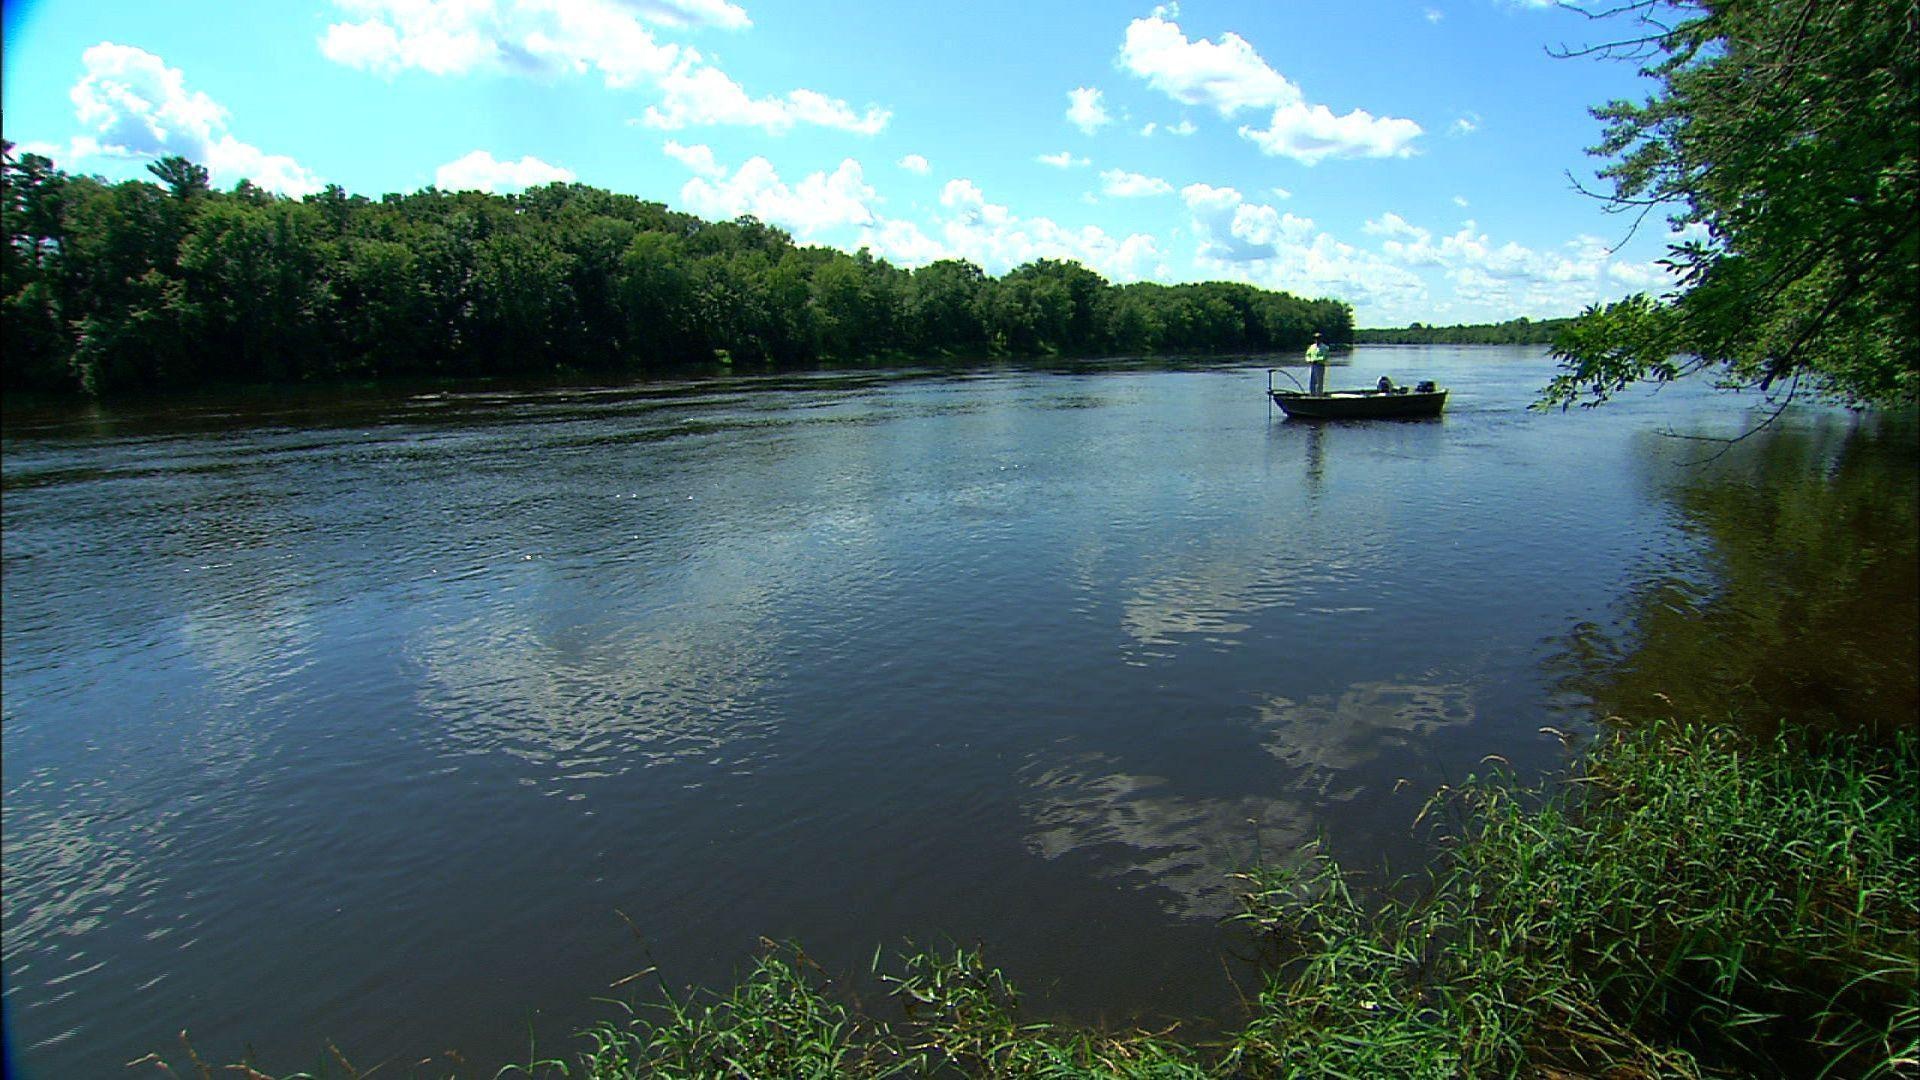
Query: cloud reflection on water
point(1184, 847)
point(1330, 736)
point(1144, 832)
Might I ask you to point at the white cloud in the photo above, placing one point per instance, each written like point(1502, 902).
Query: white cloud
point(1434, 15)
point(706, 95)
point(1461, 201)
point(1310, 134)
point(1183, 128)
point(554, 38)
point(699, 159)
point(914, 163)
point(1230, 76)
point(529, 36)
point(1281, 193)
point(1085, 111)
point(1258, 244)
point(998, 240)
point(1206, 196)
point(135, 107)
point(1063, 160)
point(819, 202)
point(1392, 225)
point(1227, 76)
point(1121, 184)
point(1465, 125)
point(478, 171)
point(692, 13)
point(902, 243)
point(1498, 280)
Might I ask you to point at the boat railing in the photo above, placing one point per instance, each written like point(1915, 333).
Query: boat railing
point(1282, 371)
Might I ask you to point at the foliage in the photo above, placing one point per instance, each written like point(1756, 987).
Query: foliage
point(958, 1017)
point(1521, 331)
point(116, 288)
point(1696, 905)
point(1786, 139)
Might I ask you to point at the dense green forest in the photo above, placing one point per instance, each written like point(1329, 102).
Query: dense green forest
point(140, 286)
point(1521, 331)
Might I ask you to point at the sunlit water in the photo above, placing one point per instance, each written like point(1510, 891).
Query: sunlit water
point(414, 722)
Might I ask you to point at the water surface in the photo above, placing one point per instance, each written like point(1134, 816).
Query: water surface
point(414, 720)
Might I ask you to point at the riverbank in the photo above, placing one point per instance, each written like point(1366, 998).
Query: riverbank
point(1691, 901)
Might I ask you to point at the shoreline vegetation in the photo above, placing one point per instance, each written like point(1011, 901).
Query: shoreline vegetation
point(1691, 900)
point(1521, 331)
point(139, 287)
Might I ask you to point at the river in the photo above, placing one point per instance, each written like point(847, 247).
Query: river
point(414, 719)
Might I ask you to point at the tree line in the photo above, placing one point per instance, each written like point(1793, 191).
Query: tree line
point(1521, 331)
point(168, 283)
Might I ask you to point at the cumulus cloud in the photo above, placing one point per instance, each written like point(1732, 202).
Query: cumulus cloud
point(1085, 111)
point(134, 107)
point(698, 159)
point(1183, 128)
point(691, 13)
point(1121, 184)
point(698, 94)
point(914, 163)
point(479, 171)
point(613, 39)
point(1259, 244)
point(841, 208)
point(1063, 160)
point(998, 240)
point(1233, 230)
point(1465, 125)
point(1310, 134)
point(1497, 279)
point(1461, 201)
point(902, 243)
point(1230, 76)
point(819, 202)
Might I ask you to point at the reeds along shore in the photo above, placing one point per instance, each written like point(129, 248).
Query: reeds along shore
point(1691, 901)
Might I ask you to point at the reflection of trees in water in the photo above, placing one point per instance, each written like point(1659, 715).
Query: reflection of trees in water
point(1811, 605)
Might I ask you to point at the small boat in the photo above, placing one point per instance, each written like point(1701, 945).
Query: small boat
point(1398, 403)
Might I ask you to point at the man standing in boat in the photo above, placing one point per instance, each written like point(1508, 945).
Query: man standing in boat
point(1317, 373)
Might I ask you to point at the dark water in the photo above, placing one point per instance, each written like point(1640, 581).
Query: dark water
point(377, 720)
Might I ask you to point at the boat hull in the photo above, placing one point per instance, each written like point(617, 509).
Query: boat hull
point(1360, 404)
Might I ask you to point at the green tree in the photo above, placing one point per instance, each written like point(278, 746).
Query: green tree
point(1786, 134)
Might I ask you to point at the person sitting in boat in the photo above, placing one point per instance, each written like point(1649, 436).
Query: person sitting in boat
point(1385, 385)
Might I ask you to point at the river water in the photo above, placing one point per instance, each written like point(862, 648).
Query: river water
point(414, 720)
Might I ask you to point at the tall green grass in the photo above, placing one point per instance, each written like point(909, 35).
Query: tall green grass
point(1692, 902)
point(1688, 905)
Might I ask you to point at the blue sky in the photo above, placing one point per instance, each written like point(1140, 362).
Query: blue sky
point(1410, 158)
